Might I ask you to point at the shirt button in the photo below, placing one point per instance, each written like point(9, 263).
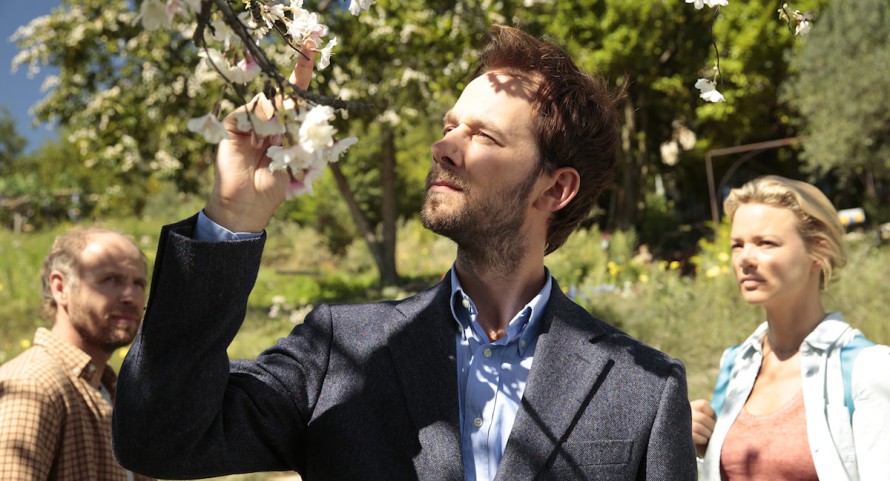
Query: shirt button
point(486, 352)
point(466, 303)
point(477, 422)
point(522, 343)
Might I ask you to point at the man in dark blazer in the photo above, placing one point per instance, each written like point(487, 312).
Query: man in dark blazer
point(491, 374)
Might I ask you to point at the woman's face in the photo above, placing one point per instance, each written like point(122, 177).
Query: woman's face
point(771, 261)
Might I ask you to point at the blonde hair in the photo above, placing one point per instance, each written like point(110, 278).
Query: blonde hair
point(818, 222)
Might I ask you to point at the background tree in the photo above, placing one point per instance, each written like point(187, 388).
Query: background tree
point(662, 47)
point(841, 88)
point(123, 94)
point(12, 143)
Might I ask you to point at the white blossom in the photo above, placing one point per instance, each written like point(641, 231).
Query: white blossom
point(699, 4)
point(709, 90)
point(358, 6)
point(802, 28)
point(326, 52)
point(339, 147)
point(154, 15)
point(209, 127)
point(315, 131)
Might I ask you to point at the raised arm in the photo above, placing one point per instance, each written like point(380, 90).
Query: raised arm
point(182, 410)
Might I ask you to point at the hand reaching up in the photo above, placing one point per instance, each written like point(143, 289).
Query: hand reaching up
point(246, 193)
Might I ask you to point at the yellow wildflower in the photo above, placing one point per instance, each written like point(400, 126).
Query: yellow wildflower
point(712, 272)
point(25, 343)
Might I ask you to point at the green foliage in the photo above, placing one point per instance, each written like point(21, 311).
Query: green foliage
point(11, 141)
point(842, 88)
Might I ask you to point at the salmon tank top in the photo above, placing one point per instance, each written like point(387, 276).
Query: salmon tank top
point(772, 447)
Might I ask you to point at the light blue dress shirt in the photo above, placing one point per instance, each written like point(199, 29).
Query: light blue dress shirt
point(491, 376)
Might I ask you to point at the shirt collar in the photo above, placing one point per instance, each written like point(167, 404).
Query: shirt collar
point(525, 325)
point(826, 333)
point(76, 363)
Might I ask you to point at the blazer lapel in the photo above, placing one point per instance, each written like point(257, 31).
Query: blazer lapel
point(565, 376)
point(422, 346)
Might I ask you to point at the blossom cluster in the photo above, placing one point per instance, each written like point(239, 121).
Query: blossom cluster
point(302, 136)
point(801, 22)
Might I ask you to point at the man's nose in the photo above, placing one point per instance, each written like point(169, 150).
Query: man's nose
point(132, 294)
point(447, 150)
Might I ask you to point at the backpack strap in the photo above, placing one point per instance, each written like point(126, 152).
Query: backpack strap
point(726, 364)
point(848, 356)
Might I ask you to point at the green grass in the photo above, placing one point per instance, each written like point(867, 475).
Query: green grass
point(692, 319)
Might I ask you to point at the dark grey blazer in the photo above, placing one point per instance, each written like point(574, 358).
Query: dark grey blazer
point(370, 391)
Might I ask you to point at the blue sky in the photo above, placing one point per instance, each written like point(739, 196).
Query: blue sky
point(17, 92)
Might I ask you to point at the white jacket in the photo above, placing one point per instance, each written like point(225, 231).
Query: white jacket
point(857, 451)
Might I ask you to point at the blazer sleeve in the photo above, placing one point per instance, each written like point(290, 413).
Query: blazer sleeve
point(871, 417)
point(182, 410)
point(671, 453)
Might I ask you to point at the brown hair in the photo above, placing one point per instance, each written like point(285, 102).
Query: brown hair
point(818, 223)
point(64, 257)
point(577, 118)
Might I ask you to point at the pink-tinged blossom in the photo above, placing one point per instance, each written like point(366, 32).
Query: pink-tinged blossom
point(294, 157)
point(209, 127)
point(246, 70)
point(358, 6)
point(301, 183)
point(709, 90)
point(305, 26)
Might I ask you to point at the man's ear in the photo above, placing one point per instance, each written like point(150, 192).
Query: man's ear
point(562, 186)
point(58, 287)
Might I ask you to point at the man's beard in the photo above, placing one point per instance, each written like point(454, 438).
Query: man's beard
point(99, 330)
point(487, 229)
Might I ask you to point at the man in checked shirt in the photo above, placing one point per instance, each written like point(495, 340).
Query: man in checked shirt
point(56, 397)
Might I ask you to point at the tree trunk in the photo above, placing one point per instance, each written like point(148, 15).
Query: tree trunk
point(388, 274)
point(627, 192)
point(382, 249)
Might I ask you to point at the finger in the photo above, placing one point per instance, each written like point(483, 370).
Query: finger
point(302, 73)
point(704, 407)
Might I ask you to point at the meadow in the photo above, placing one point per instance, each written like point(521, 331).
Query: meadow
point(690, 317)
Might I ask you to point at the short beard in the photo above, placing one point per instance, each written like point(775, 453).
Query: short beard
point(488, 231)
point(106, 339)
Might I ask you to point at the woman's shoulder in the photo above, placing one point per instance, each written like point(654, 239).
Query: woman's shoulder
point(870, 368)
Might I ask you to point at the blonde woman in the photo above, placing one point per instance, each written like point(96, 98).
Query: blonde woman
point(806, 396)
